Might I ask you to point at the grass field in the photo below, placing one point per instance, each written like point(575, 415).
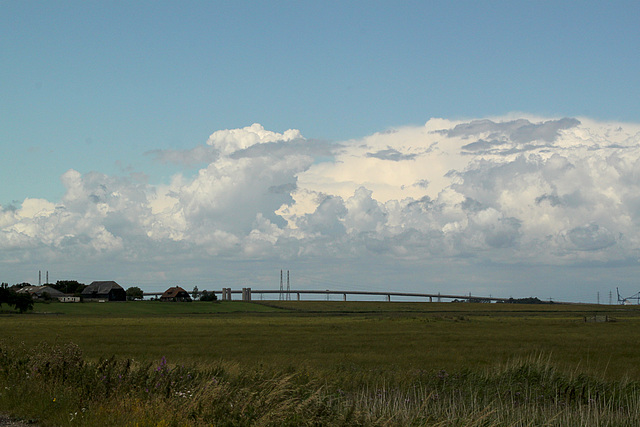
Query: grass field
point(148, 308)
point(322, 348)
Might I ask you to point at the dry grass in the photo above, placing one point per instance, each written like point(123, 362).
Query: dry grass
point(56, 386)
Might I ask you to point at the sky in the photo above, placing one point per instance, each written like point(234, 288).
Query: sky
point(485, 146)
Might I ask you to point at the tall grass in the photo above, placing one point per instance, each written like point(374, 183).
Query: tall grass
point(56, 385)
point(380, 344)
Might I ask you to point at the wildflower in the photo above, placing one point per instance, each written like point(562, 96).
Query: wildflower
point(163, 364)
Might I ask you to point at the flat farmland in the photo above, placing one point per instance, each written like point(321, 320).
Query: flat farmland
point(321, 363)
point(371, 336)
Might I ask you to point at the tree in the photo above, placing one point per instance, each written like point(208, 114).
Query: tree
point(69, 286)
point(206, 296)
point(194, 293)
point(21, 285)
point(134, 293)
point(21, 301)
point(5, 294)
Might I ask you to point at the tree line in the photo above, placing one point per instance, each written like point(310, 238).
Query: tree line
point(23, 301)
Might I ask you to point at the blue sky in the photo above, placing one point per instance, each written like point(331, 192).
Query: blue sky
point(95, 87)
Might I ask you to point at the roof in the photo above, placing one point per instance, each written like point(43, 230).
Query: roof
point(39, 290)
point(101, 288)
point(173, 292)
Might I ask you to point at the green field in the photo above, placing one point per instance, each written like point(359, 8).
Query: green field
point(352, 346)
point(147, 308)
point(325, 335)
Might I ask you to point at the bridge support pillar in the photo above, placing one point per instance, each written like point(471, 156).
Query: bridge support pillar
point(430, 299)
point(298, 296)
point(344, 297)
point(388, 298)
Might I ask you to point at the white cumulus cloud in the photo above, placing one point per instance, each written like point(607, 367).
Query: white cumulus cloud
point(506, 191)
point(230, 140)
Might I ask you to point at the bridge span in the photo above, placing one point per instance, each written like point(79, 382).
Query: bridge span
point(249, 294)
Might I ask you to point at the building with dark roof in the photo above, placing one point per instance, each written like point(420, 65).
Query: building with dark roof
point(41, 292)
point(104, 291)
point(176, 294)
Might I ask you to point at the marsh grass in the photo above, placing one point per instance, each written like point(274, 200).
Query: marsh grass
point(55, 385)
point(351, 364)
point(377, 342)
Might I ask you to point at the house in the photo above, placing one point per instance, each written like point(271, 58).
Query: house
point(104, 291)
point(176, 294)
point(41, 292)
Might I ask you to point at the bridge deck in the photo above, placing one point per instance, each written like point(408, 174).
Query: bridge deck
point(354, 293)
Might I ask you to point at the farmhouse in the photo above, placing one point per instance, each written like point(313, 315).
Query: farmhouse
point(104, 291)
point(176, 294)
point(41, 292)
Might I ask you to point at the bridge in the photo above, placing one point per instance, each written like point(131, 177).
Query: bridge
point(248, 294)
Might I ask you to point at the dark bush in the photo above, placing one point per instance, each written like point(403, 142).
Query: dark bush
point(208, 296)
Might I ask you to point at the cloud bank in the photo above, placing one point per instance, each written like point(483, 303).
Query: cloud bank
point(502, 191)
